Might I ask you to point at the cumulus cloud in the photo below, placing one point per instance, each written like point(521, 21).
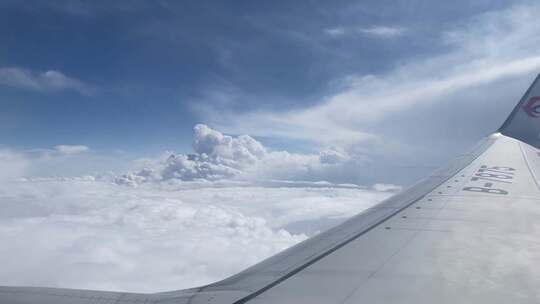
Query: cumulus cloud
point(333, 156)
point(213, 143)
point(50, 80)
point(218, 157)
point(71, 149)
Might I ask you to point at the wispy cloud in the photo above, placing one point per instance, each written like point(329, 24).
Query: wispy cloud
point(373, 31)
point(336, 31)
point(60, 160)
point(383, 31)
point(491, 47)
point(46, 81)
point(71, 149)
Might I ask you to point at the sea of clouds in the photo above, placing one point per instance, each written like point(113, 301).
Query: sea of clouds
point(174, 222)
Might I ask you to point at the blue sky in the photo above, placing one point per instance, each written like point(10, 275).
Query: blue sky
point(134, 77)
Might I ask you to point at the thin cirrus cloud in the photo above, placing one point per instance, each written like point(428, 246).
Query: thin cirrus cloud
point(42, 81)
point(383, 31)
point(378, 31)
point(490, 48)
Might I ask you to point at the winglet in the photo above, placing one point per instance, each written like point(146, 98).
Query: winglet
point(524, 121)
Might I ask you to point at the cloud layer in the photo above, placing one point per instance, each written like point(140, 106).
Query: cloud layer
point(87, 233)
point(177, 222)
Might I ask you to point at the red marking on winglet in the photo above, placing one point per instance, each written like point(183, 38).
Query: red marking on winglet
point(531, 108)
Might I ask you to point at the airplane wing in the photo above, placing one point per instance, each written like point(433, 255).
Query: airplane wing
point(469, 233)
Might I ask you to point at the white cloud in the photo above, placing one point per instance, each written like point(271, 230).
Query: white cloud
point(88, 233)
point(12, 165)
point(373, 31)
point(382, 31)
point(387, 188)
point(217, 157)
point(234, 152)
point(71, 149)
point(50, 80)
point(188, 220)
point(336, 31)
point(220, 157)
point(64, 161)
point(333, 156)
